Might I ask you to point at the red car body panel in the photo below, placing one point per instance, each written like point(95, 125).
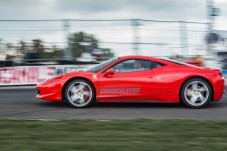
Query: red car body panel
point(159, 84)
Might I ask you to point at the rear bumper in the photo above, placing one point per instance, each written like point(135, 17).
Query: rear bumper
point(219, 88)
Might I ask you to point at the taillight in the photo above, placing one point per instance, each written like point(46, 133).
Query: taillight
point(220, 74)
point(218, 71)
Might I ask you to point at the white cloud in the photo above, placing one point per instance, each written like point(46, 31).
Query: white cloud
point(186, 10)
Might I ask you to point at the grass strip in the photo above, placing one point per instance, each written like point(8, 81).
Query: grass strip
point(116, 135)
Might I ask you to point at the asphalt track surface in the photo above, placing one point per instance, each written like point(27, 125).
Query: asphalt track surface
point(22, 104)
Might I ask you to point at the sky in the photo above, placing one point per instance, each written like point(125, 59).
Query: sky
point(171, 10)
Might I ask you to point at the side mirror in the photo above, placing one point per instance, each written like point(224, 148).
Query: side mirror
point(109, 72)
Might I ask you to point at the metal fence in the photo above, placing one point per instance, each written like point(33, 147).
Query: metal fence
point(123, 37)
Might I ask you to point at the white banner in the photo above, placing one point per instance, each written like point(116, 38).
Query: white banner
point(24, 75)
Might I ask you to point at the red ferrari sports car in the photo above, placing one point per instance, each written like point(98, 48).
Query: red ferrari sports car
point(136, 79)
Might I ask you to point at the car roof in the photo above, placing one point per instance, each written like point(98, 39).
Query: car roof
point(156, 59)
point(145, 57)
point(138, 57)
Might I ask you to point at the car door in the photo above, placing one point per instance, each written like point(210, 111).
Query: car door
point(127, 81)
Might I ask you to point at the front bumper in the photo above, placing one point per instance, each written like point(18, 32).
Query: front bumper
point(49, 91)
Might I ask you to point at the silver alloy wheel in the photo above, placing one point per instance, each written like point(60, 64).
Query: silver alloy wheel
point(79, 94)
point(196, 93)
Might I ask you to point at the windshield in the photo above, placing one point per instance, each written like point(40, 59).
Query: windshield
point(102, 65)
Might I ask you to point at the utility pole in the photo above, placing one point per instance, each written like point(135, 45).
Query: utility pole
point(183, 37)
point(210, 18)
point(0, 45)
point(67, 52)
point(135, 26)
point(212, 12)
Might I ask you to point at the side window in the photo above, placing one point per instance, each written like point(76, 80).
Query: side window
point(135, 65)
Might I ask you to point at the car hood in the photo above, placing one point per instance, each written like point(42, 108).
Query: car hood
point(79, 74)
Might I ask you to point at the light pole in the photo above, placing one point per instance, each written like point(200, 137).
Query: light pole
point(67, 52)
point(183, 38)
point(135, 25)
point(212, 12)
point(0, 45)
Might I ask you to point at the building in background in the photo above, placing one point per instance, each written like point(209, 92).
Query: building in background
point(216, 47)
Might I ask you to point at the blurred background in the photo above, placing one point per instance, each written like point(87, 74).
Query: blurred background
point(55, 34)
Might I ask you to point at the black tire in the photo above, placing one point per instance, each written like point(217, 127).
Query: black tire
point(196, 93)
point(79, 94)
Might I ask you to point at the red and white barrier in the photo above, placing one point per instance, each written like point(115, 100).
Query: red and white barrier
point(25, 75)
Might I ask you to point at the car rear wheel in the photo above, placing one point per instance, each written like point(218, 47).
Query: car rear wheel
point(196, 93)
point(79, 93)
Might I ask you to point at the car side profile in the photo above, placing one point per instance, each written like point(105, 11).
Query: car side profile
point(136, 79)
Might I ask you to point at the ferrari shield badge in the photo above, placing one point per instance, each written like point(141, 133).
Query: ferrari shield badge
point(94, 76)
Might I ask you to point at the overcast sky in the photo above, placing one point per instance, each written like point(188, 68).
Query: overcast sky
point(96, 9)
point(102, 9)
point(179, 10)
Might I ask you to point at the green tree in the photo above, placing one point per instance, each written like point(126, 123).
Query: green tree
point(107, 53)
point(38, 46)
point(82, 42)
point(22, 47)
point(55, 53)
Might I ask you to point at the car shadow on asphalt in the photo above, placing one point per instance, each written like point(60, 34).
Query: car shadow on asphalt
point(136, 105)
point(131, 105)
point(219, 104)
point(115, 105)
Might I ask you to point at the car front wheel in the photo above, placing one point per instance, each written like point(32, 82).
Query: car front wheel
point(79, 93)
